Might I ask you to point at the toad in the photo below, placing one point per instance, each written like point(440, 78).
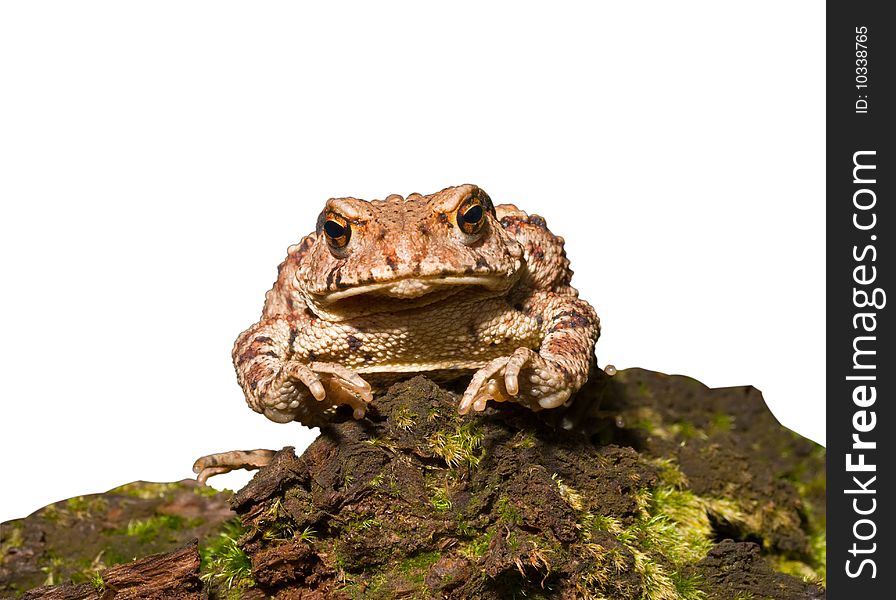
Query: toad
point(446, 285)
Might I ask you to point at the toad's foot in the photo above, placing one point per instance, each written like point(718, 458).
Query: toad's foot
point(296, 387)
point(524, 377)
point(224, 462)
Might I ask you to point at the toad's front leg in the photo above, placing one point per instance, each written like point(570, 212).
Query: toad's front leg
point(545, 378)
point(283, 387)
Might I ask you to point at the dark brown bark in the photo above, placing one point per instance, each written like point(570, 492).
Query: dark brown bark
point(167, 575)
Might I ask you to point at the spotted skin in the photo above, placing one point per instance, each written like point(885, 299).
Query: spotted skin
point(423, 284)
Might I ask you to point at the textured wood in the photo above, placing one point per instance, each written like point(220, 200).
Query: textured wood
point(168, 575)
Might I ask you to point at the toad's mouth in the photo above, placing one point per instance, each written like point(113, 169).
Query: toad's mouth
point(414, 288)
point(404, 294)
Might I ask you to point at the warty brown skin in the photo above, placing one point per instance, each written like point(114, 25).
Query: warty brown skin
point(423, 284)
point(519, 314)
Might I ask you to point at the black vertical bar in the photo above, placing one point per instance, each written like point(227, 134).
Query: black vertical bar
point(861, 370)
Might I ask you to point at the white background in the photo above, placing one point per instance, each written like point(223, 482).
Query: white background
point(156, 160)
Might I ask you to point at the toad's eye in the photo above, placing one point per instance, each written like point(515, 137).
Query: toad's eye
point(471, 215)
point(338, 231)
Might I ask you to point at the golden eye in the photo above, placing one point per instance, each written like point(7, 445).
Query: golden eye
point(337, 230)
point(471, 215)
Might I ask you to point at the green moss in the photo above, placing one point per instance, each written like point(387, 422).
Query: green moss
point(89, 571)
point(797, 568)
point(97, 581)
point(52, 513)
point(679, 526)
point(380, 442)
point(364, 524)
point(414, 568)
point(688, 588)
point(440, 500)
point(83, 506)
point(377, 480)
point(687, 431)
point(656, 581)
point(644, 390)
point(603, 566)
point(464, 529)
point(394, 488)
point(572, 497)
point(652, 422)
point(386, 483)
point(276, 526)
point(61, 570)
point(818, 545)
point(671, 532)
point(660, 535)
point(507, 511)
point(149, 529)
point(308, 535)
point(223, 562)
point(523, 440)
point(146, 490)
point(114, 556)
point(278, 531)
point(11, 538)
point(53, 569)
point(752, 518)
point(643, 499)
point(813, 568)
point(644, 419)
point(603, 523)
point(404, 418)
point(815, 487)
point(721, 423)
point(461, 447)
point(477, 547)
point(670, 474)
point(674, 530)
point(206, 491)
point(371, 586)
point(340, 562)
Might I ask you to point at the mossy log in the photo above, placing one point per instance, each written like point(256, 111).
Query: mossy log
point(648, 486)
point(635, 491)
point(155, 577)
